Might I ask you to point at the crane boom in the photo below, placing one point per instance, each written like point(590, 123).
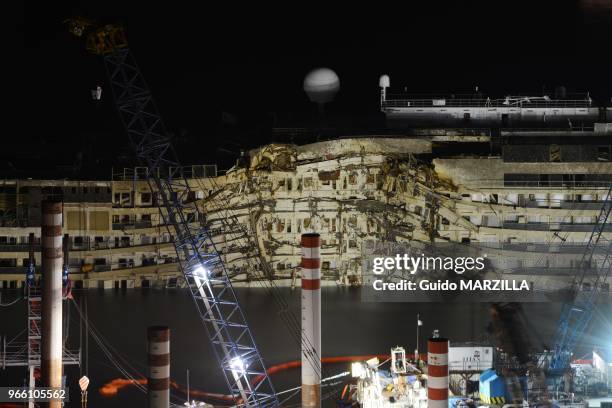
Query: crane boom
point(577, 313)
point(199, 260)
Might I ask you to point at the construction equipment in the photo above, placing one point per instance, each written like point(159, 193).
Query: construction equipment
point(200, 263)
point(595, 267)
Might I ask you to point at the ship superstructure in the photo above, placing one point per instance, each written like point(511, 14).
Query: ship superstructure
point(519, 189)
point(476, 109)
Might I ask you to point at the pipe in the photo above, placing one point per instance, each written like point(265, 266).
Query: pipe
point(159, 366)
point(311, 320)
point(111, 388)
point(437, 373)
point(52, 259)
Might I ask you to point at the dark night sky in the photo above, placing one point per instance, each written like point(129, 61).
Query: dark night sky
point(201, 60)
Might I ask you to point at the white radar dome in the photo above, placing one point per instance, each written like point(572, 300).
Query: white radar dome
point(384, 81)
point(321, 85)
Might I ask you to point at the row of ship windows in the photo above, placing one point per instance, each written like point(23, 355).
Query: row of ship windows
point(323, 224)
point(57, 190)
point(290, 225)
point(556, 153)
point(119, 263)
point(494, 220)
point(148, 198)
point(98, 262)
point(332, 179)
point(522, 199)
point(557, 180)
point(129, 218)
point(79, 242)
point(128, 199)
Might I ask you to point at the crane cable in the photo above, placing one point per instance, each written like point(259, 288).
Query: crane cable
point(287, 316)
point(10, 303)
point(284, 307)
point(108, 349)
point(289, 319)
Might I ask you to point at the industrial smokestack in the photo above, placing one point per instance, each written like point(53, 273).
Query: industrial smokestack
point(52, 260)
point(159, 366)
point(437, 372)
point(311, 320)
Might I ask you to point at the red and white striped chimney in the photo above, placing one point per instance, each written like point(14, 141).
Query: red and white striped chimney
point(52, 260)
point(437, 373)
point(311, 320)
point(159, 366)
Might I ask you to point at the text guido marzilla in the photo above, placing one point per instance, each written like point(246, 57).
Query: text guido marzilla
point(446, 285)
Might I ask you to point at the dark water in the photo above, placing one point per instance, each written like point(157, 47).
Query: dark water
point(350, 327)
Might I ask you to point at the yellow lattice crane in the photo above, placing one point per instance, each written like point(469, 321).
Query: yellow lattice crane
point(99, 39)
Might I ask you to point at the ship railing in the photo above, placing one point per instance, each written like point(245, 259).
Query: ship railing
point(533, 247)
point(526, 102)
point(556, 183)
point(574, 128)
point(592, 181)
point(12, 354)
point(303, 135)
point(142, 173)
point(553, 226)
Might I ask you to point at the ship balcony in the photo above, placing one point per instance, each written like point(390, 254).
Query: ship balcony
point(132, 225)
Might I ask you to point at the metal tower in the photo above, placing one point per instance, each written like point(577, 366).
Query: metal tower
point(34, 312)
point(199, 260)
point(34, 317)
point(17, 353)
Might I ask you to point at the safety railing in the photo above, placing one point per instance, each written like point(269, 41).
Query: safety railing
point(15, 354)
point(534, 247)
point(141, 173)
point(553, 227)
point(556, 183)
point(401, 101)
